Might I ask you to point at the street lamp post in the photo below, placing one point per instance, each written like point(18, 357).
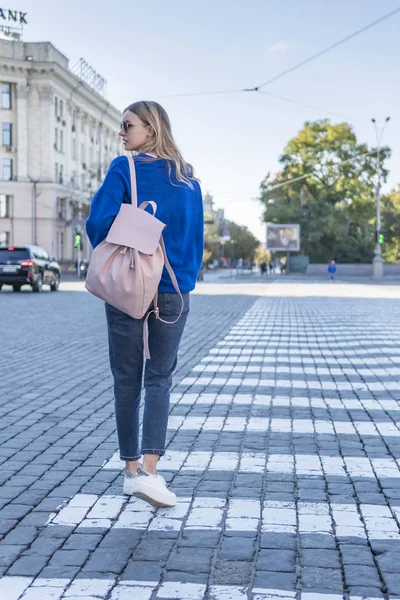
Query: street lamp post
point(377, 264)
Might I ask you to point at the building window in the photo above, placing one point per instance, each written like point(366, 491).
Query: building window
point(57, 171)
point(58, 108)
point(62, 209)
point(4, 238)
point(61, 141)
point(73, 148)
point(5, 202)
point(56, 138)
point(61, 178)
point(6, 95)
point(60, 245)
point(7, 169)
point(7, 134)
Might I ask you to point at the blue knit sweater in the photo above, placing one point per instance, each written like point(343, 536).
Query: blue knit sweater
point(178, 206)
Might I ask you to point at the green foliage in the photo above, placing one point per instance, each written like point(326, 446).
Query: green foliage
point(335, 205)
point(242, 244)
point(211, 239)
point(390, 213)
point(262, 255)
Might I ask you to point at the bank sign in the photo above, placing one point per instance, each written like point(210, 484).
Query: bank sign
point(13, 16)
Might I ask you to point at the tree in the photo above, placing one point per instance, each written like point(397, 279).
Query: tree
point(335, 204)
point(207, 255)
point(211, 238)
point(390, 211)
point(242, 244)
point(262, 256)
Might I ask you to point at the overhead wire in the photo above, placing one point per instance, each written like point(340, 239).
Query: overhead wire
point(329, 48)
point(307, 60)
point(297, 65)
point(305, 105)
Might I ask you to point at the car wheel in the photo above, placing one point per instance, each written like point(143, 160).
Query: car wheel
point(38, 285)
point(54, 286)
point(16, 288)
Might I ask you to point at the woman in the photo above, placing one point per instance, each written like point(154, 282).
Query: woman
point(164, 177)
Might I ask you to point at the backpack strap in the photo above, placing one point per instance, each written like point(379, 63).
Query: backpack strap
point(149, 203)
point(132, 171)
point(155, 308)
point(174, 283)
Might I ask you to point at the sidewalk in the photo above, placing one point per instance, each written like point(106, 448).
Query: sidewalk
point(255, 277)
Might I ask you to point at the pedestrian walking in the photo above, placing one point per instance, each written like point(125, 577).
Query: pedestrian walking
point(164, 177)
point(332, 269)
point(263, 268)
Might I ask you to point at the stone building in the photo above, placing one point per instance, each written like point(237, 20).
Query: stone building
point(58, 137)
point(217, 214)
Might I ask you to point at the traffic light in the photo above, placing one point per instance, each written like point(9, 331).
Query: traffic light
point(78, 241)
point(381, 238)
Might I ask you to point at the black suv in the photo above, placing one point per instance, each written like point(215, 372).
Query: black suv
point(28, 265)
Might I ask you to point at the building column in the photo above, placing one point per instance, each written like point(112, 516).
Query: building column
point(21, 136)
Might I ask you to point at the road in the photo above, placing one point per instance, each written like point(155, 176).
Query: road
point(283, 449)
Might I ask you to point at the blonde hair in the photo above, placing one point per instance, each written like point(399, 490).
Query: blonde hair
point(161, 141)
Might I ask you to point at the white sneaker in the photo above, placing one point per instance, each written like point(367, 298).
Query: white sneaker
point(129, 478)
point(151, 488)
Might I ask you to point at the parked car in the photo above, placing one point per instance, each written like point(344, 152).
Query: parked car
point(28, 265)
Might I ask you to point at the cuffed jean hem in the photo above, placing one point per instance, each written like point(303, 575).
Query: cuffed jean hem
point(128, 458)
point(160, 452)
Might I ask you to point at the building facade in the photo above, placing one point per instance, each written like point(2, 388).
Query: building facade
point(58, 137)
point(217, 214)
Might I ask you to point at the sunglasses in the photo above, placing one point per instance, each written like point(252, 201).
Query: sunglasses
point(125, 126)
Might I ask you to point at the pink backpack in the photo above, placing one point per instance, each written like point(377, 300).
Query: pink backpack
point(125, 269)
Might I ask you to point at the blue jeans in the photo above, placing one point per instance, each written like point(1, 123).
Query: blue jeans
point(125, 338)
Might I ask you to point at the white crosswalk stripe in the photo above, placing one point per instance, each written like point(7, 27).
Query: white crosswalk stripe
point(255, 382)
point(299, 464)
point(266, 400)
point(242, 514)
point(12, 588)
point(263, 425)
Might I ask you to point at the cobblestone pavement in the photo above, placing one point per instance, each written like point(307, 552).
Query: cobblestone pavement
point(283, 449)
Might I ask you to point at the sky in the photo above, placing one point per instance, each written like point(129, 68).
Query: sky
point(153, 50)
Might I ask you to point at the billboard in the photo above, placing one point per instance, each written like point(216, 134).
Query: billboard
point(283, 238)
